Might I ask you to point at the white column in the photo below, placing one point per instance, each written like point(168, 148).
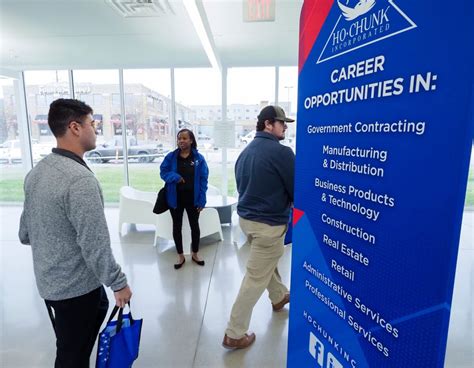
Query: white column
point(173, 109)
point(224, 186)
point(277, 83)
point(123, 119)
point(23, 122)
point(72, 93)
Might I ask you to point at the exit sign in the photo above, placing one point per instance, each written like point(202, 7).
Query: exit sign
point(259, 10)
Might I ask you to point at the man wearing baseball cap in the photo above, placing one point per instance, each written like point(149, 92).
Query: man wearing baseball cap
point(264, 173)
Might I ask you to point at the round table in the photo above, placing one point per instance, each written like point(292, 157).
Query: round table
point(224, 206)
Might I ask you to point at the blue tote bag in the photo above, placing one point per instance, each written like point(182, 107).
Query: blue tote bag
point(119, 341)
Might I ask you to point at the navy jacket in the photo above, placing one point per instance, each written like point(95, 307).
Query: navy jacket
point(265, 173)
point(169, 173)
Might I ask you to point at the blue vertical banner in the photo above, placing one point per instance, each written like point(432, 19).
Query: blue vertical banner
point(385, 127)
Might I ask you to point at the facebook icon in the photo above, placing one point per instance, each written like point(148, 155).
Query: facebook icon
point(333, 362)
point(316, 349)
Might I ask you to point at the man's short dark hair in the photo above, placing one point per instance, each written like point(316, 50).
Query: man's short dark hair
point(64, 110)
point(261, 124)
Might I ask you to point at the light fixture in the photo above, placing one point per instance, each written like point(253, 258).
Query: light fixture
point(204, 37)
point(142, 8)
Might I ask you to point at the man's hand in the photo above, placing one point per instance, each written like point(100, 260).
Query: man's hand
point(199, 209)
point(181, 181)
point(122, 296)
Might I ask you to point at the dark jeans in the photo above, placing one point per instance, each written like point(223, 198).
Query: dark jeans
point(193, 216)
point(76, 322)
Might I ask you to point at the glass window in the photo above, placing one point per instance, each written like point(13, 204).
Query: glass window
point(12, 172)
point(42, 88)
point(287, 97)
point(41, 100)
point(469, 204)
point(87, 98)
point(147, 105)
point(116, 99)
point(98, 99)
point(130, 99)
point(249, 90)
point(106, 160)
point(198, 89)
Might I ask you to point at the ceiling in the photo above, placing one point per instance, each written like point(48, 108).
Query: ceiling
point(92, 34)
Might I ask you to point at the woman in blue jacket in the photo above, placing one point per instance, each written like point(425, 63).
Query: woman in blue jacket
point(185, 173)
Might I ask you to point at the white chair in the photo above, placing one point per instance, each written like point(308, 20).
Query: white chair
point(212, 190)
point(209, 224)
point(164, 227)
point(136, 207)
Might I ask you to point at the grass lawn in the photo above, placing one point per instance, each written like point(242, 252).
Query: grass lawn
point(145, 178)
point(470, 191)
point(141, 177)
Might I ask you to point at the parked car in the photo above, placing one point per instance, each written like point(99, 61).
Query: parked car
point(288, 141)
point(113, 149)
point(10, 151)
point(248, 137)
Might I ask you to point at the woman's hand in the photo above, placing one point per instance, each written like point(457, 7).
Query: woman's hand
point(199, 209)
point(181, 181)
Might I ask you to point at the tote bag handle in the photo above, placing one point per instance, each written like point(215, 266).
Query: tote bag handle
point(120, 317)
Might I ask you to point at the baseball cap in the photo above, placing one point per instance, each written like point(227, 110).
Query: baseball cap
point(274, 113)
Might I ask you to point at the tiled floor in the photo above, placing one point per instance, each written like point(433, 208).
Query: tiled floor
point(185, 312)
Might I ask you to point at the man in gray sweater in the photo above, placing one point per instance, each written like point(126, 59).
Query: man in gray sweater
point(64, 222)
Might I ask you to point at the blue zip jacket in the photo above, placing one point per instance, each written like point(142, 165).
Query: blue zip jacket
point(169, 173)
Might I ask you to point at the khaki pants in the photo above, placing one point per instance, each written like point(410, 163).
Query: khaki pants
point(266, 249)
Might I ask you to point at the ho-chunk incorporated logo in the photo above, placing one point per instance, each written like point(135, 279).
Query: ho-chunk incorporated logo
point(363, 22)
point(362, 7)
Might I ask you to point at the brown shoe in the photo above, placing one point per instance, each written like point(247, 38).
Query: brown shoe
point(279, 306)
point(242, 343)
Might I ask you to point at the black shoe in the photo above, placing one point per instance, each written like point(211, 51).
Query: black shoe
point(200, 263)
point(177, 266)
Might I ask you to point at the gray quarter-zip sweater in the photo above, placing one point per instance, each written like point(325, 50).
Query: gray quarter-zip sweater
point(64, 222)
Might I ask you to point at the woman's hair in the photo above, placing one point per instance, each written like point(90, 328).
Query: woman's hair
point(191, 135)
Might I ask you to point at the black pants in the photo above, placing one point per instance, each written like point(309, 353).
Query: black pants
point(193, 216)
point(76, 322)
